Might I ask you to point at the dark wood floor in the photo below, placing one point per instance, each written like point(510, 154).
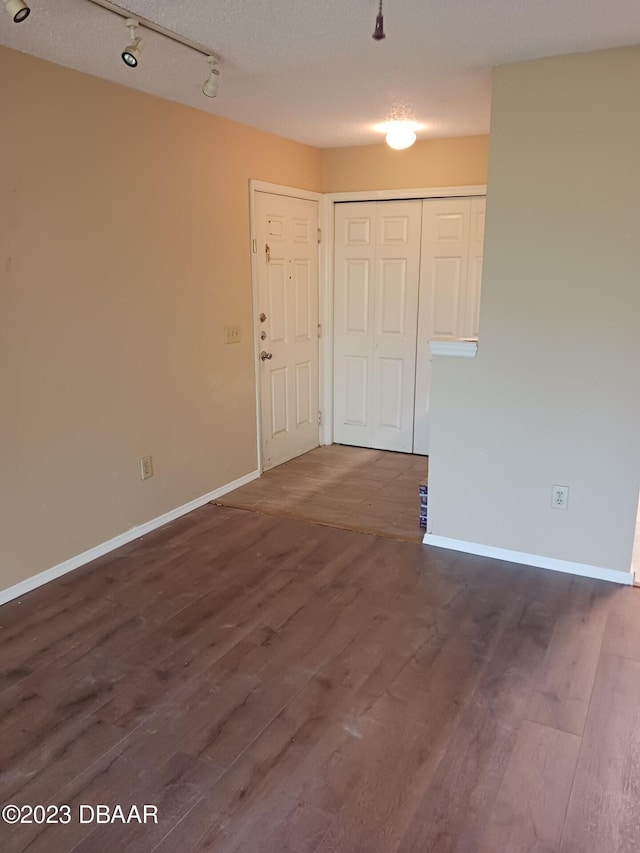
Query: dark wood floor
point(273, 685)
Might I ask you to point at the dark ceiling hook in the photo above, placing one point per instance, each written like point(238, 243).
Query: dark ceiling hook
point(378, 34)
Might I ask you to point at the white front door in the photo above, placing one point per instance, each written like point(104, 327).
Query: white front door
point(287, 325)
point(377, 265)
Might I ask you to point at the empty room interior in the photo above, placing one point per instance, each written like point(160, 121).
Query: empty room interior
point(319, 460)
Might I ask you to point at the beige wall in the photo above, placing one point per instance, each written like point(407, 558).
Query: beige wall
point(553, 395)
point(124, 248)
point(429, 163)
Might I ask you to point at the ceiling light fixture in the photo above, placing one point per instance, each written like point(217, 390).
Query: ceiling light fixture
point(210, 87)
point(378, 33)
point(18, 10)
point(401, 137)
point(131, 54)
point(400, 133)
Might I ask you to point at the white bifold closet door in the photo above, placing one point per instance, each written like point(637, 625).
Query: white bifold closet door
point(450, 280)
point(377, 269)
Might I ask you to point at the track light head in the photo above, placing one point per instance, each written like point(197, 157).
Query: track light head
point(18, 10)
point(210, 87)
point(131, 53)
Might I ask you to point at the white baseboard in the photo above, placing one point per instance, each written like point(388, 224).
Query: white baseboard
point(551, 563)
point(122, 539)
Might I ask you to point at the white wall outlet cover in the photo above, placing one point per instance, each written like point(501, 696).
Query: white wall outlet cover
point(559, 497)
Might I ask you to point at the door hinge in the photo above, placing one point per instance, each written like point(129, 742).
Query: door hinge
point(319, 418)
point(319, 330)
point(254, 246)
point(319, 235)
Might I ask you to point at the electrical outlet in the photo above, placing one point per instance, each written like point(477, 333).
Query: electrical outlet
point(146, 467)
point(232, 333)
point(560, 497)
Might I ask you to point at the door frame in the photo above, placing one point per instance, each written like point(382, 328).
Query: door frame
point(327, 287)
point(324, 272)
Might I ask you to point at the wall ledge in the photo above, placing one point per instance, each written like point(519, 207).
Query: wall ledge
point(454, 347)
point(69, 565)
point(535, 560)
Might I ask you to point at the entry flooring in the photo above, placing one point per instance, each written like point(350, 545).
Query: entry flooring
point(275, 685)
point(372, 491)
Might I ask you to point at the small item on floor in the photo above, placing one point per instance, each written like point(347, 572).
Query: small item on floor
point(423, 490)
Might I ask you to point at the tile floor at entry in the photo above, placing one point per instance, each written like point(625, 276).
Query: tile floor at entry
point(355, 488)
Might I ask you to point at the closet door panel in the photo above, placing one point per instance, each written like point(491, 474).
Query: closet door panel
point(399, 226)
point(474, 276)
point(443, 294)
point(354, 270)
point(377, 267)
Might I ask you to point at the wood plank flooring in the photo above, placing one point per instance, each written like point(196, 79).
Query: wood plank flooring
point(355, 488)
point(275, 685)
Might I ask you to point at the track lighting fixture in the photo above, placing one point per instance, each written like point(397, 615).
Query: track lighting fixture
point(131, 54)
point(18, 10)
point(210, 87)
point(134, 23)
point(378, 33)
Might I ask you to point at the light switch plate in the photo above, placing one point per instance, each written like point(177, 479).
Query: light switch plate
point(232, 333)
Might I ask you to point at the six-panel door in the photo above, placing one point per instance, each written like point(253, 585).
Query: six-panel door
point(377, 265)
point(287, 298)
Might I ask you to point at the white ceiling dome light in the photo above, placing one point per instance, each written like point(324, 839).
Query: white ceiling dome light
point(401, 134)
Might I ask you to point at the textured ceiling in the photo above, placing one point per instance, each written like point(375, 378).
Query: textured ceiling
point(309, 69)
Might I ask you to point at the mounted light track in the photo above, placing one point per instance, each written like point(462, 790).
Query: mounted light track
point(150, 25)
point(131, 54)
point(18, 10)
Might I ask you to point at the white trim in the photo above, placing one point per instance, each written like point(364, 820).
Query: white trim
point(325, 318)
point(44, 577)
point(254, 314)
point(453, 348)
point(401, 194)
point(276, 189)
point(539, 562)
